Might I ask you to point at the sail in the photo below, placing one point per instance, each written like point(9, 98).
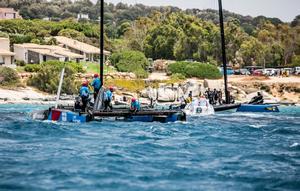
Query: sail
point(98, 105)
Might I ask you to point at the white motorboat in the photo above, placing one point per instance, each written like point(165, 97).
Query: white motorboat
point(199, 107)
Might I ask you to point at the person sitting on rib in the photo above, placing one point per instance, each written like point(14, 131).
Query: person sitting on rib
point(259, 99)
point(135, 105)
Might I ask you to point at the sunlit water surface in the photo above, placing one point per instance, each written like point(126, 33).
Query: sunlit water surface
point(228, 151)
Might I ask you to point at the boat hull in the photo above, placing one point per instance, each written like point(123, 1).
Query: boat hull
point(156, 118)
point(258, 108)
point(67, 116)
point(63, 115)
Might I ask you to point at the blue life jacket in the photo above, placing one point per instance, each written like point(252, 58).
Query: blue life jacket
point(84, 91)
point(108, 95)
point(135, 105)
point(96, 83)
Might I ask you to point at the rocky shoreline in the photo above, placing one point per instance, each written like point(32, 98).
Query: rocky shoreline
point(243, 89)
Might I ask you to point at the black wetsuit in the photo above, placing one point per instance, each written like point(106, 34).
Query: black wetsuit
point(257, 100)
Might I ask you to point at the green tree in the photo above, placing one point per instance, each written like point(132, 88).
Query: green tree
point(47, 78)
point(71, 33)
point(251, 51)
point(8, 76)
point(130, 61)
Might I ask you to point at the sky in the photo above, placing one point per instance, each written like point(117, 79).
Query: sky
point(286, 10)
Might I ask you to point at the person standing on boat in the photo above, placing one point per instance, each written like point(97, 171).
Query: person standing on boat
point(135, 105)
point(220, 100)
point(209, 96)
point(189, 99)
point(84, 94)
point(215, 96)
point(97, 85)
point(108, 97)
point(202, 101)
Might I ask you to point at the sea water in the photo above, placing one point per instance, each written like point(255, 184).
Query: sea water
point(227, 151)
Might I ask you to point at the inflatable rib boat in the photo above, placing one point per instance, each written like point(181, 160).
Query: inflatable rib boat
point(257, 108)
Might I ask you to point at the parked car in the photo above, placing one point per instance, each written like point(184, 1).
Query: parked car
point(242, 72)
point(230, 71)
point(297, 70)
point(258, 72)
point(251, 69)
point(271, 72)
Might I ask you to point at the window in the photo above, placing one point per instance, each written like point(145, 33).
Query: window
point(1, 60)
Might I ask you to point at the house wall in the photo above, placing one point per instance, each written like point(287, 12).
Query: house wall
point(2, 60)
point(4, 44)
point(7, 61)
point(21, 54)
point(10, 15)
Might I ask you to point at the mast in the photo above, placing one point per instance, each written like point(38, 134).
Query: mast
point(101, 40)
point(223, 51)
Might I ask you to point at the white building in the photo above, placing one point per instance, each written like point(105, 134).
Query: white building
point(35, 54)
point(9, 13)
point(82, 16)
point(89, 52)
point(6, 56)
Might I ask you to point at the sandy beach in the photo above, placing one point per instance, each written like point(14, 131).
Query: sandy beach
point(27, 95)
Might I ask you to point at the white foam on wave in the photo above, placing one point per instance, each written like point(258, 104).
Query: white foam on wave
point(295, 145)
point(257, 126)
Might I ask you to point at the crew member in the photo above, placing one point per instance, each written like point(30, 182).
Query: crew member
point(135, 105)
point(220, 100)
point(108, 97)
point(189, 99)
point(84, 94)
point(97, 85)
point(259, 99)
point(215, 96)
point(209, 96)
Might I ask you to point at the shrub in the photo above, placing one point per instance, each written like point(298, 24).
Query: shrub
point(19, 38)
point(195, 69)
point(177, 77)
point(128, 85)
point(8, 76)
point(131, 61)
point(295, 61)
point(71, 33)
point(78, 68)
point(47, 79)
point(20, 63)
point(3, 34)
point(32, 67)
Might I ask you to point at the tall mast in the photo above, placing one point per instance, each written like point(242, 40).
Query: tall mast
point(223, 51)
point(101, 40)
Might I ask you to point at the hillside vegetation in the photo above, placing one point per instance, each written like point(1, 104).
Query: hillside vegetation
point(159, 32)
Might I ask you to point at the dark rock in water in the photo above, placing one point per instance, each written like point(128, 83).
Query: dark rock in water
point(26, 98)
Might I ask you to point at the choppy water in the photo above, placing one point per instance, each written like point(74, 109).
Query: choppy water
point(229, 151)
